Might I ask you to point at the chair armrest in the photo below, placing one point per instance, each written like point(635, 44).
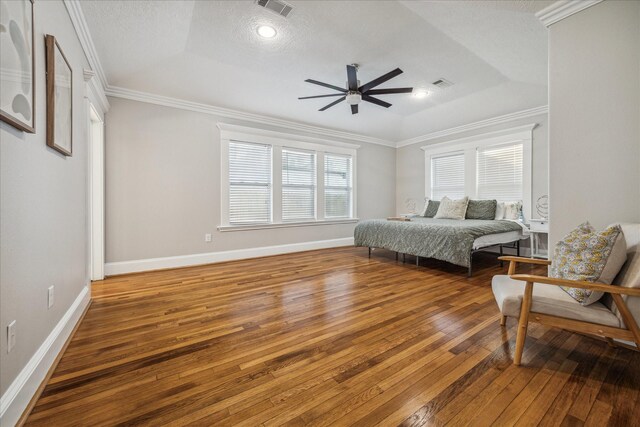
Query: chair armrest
point(612, 289)
point(525, 260)
point(514, 260)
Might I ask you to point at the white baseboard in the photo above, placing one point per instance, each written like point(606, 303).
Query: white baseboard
point(113, 268)
point(15, 400)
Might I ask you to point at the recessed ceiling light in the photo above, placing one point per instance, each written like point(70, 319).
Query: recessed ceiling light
point(419, 93)
point(266, 31)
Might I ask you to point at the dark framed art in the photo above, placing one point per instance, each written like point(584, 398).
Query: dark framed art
point(17, 65)
point(59, 98)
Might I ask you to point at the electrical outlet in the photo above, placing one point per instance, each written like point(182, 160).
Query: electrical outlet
point(11, 336)
point(207, 238)
point(50, 298)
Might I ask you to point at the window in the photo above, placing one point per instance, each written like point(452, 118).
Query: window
point(272, 179)
point(447, 176)
point(337, 186)
point(495, 165)
point(298, 185)
point(249, 183)
point(499, 170)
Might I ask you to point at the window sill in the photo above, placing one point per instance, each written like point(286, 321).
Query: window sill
point(224, 228)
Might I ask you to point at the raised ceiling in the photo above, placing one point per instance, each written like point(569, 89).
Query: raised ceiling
point(495, 53)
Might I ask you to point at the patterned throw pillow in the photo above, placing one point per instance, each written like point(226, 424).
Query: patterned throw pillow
point(589, 255)
point(512, 210)
point(432, 209)
point(452, 209)
point(481, 209)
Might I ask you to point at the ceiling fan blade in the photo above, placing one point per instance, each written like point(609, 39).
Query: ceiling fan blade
point(333, 103)
point(376, 101)
point(354, 109)
point(389, 91)
point(352, 78)
point(375, 82)
point(321, 96)
point(315, 82)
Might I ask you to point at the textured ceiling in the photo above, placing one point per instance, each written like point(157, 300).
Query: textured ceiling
point(494, 51)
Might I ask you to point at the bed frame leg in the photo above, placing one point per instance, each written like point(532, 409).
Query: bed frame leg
point(404, 258)
point(518, 248)
point(501, 262)
point(369, 251)
point(417, 261)
point(470, 264)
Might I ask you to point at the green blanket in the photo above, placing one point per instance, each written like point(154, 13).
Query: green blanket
point(444, 239)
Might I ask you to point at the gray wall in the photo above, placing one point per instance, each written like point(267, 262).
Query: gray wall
point(594, 113)
point(43, 210)
point(163, 186)
point(410, 162)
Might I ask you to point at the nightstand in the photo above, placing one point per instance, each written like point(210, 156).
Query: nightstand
point(536, 228)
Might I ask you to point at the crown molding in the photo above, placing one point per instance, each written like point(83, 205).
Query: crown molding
point(563, 9)
point(476, 125)
point(84, 36)
point(134, 95)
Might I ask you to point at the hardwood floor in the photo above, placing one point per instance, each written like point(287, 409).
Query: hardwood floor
point(327, 337)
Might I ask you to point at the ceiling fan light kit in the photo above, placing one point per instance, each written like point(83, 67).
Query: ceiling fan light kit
point(354, 93)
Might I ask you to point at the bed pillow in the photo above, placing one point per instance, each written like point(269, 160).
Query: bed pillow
point(423, 212)
point(512, 210)
point(589, 255)
point(481, 209)
point(499, 210)
point(432, 209)
point(452, 209)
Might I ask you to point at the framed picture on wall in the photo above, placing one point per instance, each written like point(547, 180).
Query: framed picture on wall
point(59, 98)
point(17, 65)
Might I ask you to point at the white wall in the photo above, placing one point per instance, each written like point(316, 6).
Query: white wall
point(43, 213)
point(594, 113)
point(163, 191)
point(410, 166)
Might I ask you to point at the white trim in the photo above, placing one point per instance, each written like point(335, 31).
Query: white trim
point(95, 141)
point(84, 36)
point(489, 138)
point(563, 9)
point(287, 224)
point(124, 267)
point(469, 145)
point(476, 125)
point(229, 131)
point(15, 400)
point(118, 92)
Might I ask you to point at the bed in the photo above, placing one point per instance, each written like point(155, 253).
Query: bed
point(453, 241)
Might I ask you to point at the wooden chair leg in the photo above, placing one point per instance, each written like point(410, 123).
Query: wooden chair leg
point(629, 321)
point(503, 320)
point(523, 323)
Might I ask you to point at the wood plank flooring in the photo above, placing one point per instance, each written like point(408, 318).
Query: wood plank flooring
point(327, 337)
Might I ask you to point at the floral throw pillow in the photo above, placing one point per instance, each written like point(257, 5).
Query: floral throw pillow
point(452, 209)
point(589, 255)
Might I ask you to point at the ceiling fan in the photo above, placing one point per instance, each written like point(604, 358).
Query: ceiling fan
point(354, 94)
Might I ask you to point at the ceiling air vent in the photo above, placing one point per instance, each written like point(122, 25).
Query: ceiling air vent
point(442, 83)
point(276, 6)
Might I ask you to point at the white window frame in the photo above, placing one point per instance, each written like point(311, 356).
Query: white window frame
point(470, 145)
point(351, 196)
point(278, 141)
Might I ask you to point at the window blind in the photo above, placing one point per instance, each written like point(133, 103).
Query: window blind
point(249, 183)
point(298, 185)
point(499, 170)
point(447, 176)
point(337, 186)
